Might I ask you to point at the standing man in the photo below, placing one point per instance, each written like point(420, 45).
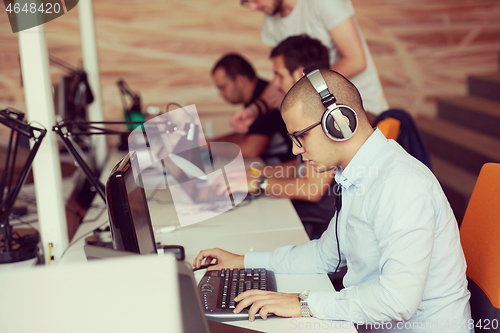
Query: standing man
point(266, 138)
point(334, 24)
point(395, 231)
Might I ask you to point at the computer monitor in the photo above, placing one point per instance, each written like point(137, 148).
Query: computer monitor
point(132, 232)
point(129, 218)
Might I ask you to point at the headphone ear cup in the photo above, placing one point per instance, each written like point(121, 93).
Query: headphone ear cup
point(328, 125)
point(332, 131)
point(351, 116)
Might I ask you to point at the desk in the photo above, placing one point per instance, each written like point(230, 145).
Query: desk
point(261, 225)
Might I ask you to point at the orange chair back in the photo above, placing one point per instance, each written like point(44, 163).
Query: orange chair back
point(480, 233)
point(389, 127)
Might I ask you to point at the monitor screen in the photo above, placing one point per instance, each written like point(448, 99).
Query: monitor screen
point(129, 218)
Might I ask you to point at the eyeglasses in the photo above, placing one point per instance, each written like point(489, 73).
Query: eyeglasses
point(295, 135)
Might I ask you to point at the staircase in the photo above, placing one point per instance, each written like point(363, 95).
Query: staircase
point(464, 136)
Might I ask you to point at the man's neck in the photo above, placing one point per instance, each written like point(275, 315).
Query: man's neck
point(355, 145)
point(287, 7)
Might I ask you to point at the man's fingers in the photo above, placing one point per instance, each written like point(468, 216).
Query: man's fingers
point(248, 298)
point(243, 301)
point(264, 311)
point(208, 260)
point(205, 254)
point(198, 259)
point(257, 306)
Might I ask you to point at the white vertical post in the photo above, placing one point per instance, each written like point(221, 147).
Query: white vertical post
point(91, 66)
point(46, 166)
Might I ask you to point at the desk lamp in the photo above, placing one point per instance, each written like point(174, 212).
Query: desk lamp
point(16, 247)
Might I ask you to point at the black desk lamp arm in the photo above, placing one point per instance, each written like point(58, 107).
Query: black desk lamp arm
point(16, 125)
point(67, 129)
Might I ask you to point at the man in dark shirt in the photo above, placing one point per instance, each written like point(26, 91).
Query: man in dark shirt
point(267, 136)
point(312, 193)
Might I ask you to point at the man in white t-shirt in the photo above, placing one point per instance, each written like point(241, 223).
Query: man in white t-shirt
point(334, 24)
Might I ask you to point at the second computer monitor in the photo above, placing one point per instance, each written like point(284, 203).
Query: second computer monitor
point(128, 211)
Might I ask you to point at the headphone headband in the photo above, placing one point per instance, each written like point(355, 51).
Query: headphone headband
point(333, 122)
point(319, 84)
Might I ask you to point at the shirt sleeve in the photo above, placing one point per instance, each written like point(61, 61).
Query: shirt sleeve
point(316, 256)
point(403, 216)
point(333, 12)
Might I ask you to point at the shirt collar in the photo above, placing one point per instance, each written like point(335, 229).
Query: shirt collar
point(360, 164)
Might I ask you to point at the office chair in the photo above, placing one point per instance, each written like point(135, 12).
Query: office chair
point(390, 128)
point(480, 237)
point(408, 136)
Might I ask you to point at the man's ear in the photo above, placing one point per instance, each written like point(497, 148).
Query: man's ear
point(298, 73)
point(239, 80)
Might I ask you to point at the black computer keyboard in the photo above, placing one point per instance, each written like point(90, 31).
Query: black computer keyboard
point(218, 289)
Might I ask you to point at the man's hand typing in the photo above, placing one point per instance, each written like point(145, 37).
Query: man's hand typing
point(223, 259)
point(265, 302)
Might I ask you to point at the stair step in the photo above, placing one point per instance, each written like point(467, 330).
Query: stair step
point(486, 86)
point(459, 145)
point(457, 184)
point(472, 112)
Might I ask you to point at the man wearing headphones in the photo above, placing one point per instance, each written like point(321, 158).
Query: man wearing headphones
point(395, 230)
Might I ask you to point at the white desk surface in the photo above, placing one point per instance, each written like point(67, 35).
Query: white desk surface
point(262, 225)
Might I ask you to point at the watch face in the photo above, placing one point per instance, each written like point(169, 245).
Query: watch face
point(304, 294)
point(263, 183)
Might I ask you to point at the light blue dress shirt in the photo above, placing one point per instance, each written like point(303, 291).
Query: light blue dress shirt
point(400, 241)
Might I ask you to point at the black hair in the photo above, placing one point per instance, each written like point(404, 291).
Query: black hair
point(302, 50)
point(234, 64)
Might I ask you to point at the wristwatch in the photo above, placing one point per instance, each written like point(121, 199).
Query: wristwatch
point(263, 182)
point(304, 306)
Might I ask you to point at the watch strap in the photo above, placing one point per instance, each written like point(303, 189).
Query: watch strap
point(304, 303)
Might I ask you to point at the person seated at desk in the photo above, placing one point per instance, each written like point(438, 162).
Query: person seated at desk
point(395, 230)
point(266, 138)
point(311, 193)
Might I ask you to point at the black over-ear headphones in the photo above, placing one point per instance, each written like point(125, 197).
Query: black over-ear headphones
point(339, 122)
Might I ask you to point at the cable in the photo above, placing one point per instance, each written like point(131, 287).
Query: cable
point(95, 218)
point(181, 107)
point(27, 199)
point(82, 236)
point(151, 196)
point(28, 223)
point(338, 192)
point(161, 202)
point(175, 104)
